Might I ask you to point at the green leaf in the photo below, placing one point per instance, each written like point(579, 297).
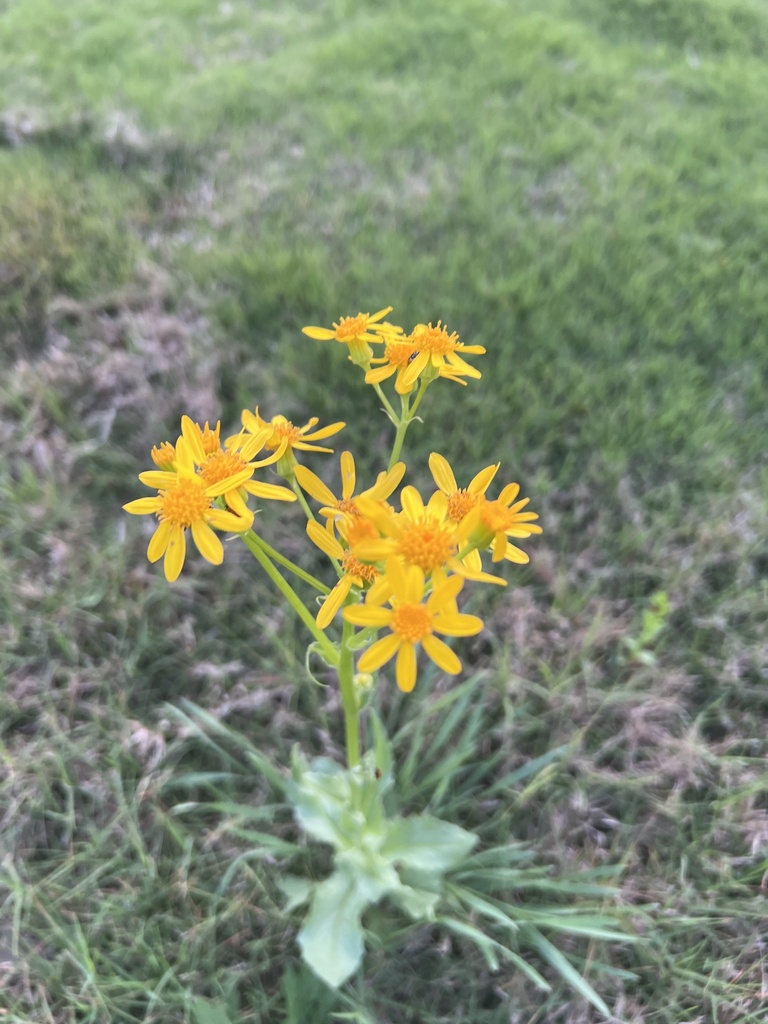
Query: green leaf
point(206, 1012)
point(298, 890)
point(419, 904)
point(331, 938)
point(566, 970)
point(426, 843)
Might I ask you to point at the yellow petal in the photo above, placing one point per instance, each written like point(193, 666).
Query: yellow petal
point(193, 435)
point(273, 492)
point(414, 584)
point(398, 581)
point(228, 520)
point(230, 483)
point(333, 602)
point(386, 483)
point(378, 653)
point(509, 493)
point(235, 502)
point(457, 624)
point(380, 373)
point(405, 667)
point(513, 554)
point(412, 502)
point(332, 428)
point(479, 484)
point(159, 541)
point(379, 315)
point(174, 553)
point(367, 615)
point(347, 475)
point(318, 333)
point(208, 544)
point(159, 479)
point(143, 506)
point(442, 473)
point(374, 550)
point(324, 540)
point(442, 655)
point(312, 484)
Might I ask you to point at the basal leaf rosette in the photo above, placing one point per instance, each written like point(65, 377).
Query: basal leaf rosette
point(412, 621)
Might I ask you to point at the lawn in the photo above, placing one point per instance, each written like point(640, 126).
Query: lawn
point(582, 188)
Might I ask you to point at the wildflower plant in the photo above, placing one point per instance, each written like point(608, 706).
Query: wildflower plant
point(398, 562)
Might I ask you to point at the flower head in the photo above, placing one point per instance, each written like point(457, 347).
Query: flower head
point(501, 519)
point(335, 508)
point(412, 621)
point(399, 353)
point(437, 355)
point(216, 463)
point(420, 535)
point(184, 502)
point(354, 572)
point(352, 331)
point(285, 437)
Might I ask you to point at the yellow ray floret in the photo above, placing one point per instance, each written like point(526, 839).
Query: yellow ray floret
point(421, 535)
point(286, 437)
point(354, 572)
point(184, 502)
point(501, 519)
point(411, 622)
point(353, 331)
point(335, 508)
point(437, 353)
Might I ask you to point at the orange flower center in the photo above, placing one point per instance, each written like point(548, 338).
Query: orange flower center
point(185, 503)
point(351, 327)
point(210, 438)
point(496, 517)
point(427, 543)
point(435, 340)
point(358, 528)
point(164, 456)
point(460, 503)
point(220, 465)
point(348, 507)
point(398, 353)
point(283, 429)
point(411, 622)
point(354, 567)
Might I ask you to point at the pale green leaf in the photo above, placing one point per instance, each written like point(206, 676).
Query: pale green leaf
point(298, 890)
point(331, 938)
point(426, 843)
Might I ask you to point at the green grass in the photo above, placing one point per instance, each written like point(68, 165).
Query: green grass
point(578, 186)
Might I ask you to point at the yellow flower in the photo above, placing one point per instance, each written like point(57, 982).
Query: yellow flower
point(352, 331)
point(412, 622)
point(462, 500)
point(285, 437)
point(334, 508)
point(399, 353)
point(164, 455)
point(355, 573)
point(420, 535)
point(501, 519)
point(437, 352)
point(216, 463)
point(184, 502)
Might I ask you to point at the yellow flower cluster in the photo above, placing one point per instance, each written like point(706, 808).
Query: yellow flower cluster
point(414, 560)
point(407, 564)
point(427, 352)
point(203, 485)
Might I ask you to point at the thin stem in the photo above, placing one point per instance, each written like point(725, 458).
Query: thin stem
point(302, 574)
point(300, 495)
point(402, 426)
point(329, 650)
point(346, 672)
point(387, 404)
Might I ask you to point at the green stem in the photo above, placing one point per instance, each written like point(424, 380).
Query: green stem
point(387, 404)
point(403, 422)
point(302, 574)
point(300, 495)
point(348, 696)
point(329, 650)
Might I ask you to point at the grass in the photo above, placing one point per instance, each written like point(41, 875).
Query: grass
point(580, 187)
